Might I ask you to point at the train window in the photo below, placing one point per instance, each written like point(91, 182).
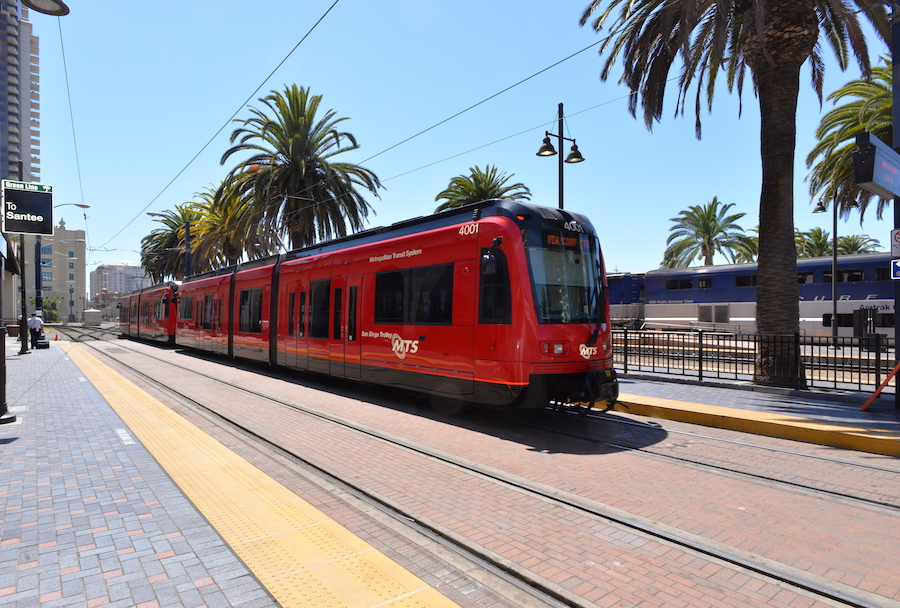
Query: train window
point(494, 304)
point(390, 295)
point(319, 294)
point(843, 320)
point(432, 292)
point(883, 273)
point(679, 283)
point(336, 320)
point(301, 326)
point(291, 303)
point(185, 310)
point(251, 310)
point(351, 316)
point(208, 311)
point(805, 278)
point(745, 280)
point(855, 275)
point(704, 282)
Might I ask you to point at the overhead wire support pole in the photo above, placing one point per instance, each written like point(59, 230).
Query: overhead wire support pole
point(895, 116)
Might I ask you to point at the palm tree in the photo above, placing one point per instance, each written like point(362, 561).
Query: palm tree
point(480, 186)
point(229, 228)
point(163, 250)
point(700, 232)
point(296, 185)
point(748, 249)
point(871, 108)
point(813, 244)
point(857, 243)
point(773, 39)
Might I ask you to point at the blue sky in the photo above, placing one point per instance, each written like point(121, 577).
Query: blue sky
point(150, 88)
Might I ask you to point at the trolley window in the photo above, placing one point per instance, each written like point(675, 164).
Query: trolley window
point(291, 304)
point(432, 294)
point(251, 310)
point(351, 316)
point(338, 299)
point(319, 296)
point(301, 325)
point(745, 280)
point(494, 304)
point(421, 296)
point(390, 295)
point(208, 311)
point(186, 308)
point(565, 271)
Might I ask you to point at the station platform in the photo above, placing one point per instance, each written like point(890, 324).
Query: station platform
point(109, 498)
point(826, 418)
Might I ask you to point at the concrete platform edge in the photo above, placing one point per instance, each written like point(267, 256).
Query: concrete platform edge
point(770, 425)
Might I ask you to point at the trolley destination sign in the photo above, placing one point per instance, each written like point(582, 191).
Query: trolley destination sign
point(876, 166)
point(27, 208)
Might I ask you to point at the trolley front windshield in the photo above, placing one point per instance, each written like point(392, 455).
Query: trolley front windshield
point(565, 271)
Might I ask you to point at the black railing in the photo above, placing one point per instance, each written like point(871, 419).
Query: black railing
point(852, 364)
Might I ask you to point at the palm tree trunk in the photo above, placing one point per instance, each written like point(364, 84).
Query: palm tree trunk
point(778, 297)
point(776, 72)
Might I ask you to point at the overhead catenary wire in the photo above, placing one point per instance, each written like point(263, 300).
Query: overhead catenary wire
point(230, 119)
point(404, 141)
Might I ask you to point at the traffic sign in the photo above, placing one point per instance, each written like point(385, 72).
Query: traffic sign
point(895, 243)
point(27, 208)
point(895, 269)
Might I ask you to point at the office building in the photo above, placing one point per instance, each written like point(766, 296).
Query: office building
point(20, 95)
point(63, 273)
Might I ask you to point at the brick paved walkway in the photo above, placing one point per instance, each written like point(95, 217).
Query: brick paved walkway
point(88, 516)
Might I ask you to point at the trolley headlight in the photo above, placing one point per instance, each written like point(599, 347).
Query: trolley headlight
point(557, 349)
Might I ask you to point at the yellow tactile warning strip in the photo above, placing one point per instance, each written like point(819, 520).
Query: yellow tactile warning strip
point(300, 555)
point(763, 423)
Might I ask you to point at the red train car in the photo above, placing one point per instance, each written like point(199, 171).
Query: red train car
point(149, 314)
point(499, 303)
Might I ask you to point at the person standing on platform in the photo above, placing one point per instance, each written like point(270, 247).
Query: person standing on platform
point(36, 328)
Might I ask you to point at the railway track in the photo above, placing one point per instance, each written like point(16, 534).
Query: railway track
point(876, 485)
point(525, 578)
point(78, 333)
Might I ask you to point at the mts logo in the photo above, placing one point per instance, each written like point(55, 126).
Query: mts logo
point(403, 347)
point(588, 351)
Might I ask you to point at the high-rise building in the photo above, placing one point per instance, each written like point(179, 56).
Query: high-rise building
point(20, 87)
point(20, 119)
point(118, 278)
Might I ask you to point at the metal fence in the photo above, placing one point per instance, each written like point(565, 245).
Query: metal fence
point(850, 364)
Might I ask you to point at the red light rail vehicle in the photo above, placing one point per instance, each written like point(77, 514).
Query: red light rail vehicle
point(149, 314)
point(500, 303)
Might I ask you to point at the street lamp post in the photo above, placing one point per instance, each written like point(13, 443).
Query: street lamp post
point(547, 149)
point(821, 208)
